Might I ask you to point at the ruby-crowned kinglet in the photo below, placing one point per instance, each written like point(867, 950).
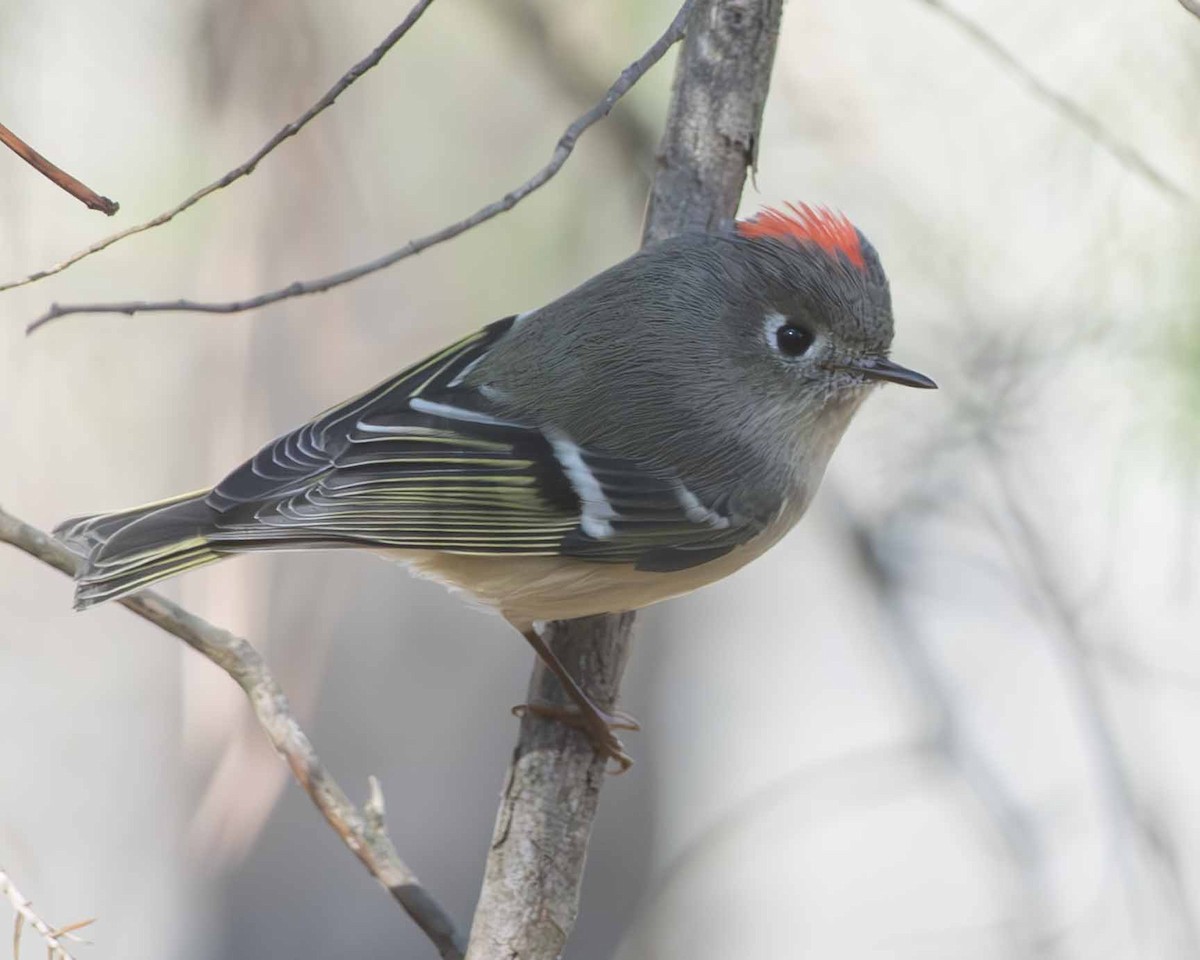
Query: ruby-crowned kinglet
point(647, 433)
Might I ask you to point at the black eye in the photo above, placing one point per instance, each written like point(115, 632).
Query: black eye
point(793, 341)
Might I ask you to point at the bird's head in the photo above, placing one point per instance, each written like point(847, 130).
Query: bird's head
point(814, 309)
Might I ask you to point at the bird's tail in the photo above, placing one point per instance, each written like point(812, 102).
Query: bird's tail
point(132, 549)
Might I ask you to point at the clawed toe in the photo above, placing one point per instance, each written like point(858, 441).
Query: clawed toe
point(598, 725)
point(614, 750)
point(620, 720)
point(584, 715)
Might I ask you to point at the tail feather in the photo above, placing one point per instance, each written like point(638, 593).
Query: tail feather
point(132, 549)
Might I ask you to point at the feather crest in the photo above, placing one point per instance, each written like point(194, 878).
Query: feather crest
point(820, 226)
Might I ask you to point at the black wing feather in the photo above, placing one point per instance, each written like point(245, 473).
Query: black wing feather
point(423, 461)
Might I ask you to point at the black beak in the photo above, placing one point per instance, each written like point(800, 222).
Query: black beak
point(881, 368)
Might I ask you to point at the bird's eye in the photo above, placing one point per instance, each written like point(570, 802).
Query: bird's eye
point(793, 341)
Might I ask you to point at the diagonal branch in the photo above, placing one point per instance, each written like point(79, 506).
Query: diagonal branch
point(1124, 153)
point(24, 909)
point(562, 151)
point(80, 191)
point(363, 831)
point(243, 170)
point(567, 66)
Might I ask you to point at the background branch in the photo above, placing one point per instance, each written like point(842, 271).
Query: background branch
point(568, 67)
point(1123, 152)
point(80, 191)
point(53, 938)
point(948, 732)
point(1035, 570)
point(530, 895)
point(244, 169)
point(563, 149)
point(362, 831)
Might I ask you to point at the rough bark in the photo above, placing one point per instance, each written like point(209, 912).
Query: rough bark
point(530, 895)
point(530, 892)
point(715, 117)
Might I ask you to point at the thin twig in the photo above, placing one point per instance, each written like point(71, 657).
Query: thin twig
point(948, 730)
point(568, 68)
point(1124, 153)
point(1036, 571)
point(562, 150)
point(58, 176)
point(24, 908)
point(362, 831)
point(247, 168)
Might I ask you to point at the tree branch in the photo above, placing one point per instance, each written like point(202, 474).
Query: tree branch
point(530, 895)
point(565, 146)
point(569, 69)
point(362, 831)
point(244, 169)
point(80, 191)
point(715, 116)
point(947, 730)
point(1124, 153)
point(53, 938)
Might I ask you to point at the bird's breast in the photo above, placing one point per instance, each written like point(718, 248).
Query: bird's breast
point(528, 589)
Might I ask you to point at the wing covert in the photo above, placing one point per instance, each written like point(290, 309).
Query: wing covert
point(423, 461)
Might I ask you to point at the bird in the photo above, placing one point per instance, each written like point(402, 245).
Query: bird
point(643, 435)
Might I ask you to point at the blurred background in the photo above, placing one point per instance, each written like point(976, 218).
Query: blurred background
point(955, 714)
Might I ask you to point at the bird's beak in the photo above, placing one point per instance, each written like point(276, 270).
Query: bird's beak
point(881, 368)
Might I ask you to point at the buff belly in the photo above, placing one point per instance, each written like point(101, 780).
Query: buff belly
point(527, 589)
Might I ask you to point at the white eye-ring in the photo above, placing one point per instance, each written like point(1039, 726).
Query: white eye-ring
point(788, 338)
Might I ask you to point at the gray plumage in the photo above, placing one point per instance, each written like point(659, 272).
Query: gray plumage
point(650, 419)
point(680, 327)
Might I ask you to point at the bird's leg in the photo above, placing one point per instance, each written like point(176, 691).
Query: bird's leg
point(596, 723)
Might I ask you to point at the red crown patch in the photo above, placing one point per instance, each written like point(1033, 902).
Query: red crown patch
point(830, 231)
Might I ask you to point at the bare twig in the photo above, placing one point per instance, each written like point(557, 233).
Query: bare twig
point(1034, 567)
point(362, 831)
point(1124, 153)
point(530, 895)
point(565, 146)
point(53, 938)
point(949, 734)
point(244, 169)
point(568, 69)
point(61, 178)
point(1191, 6)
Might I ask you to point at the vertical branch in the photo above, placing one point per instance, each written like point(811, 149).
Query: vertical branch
point(530, 895)
point(715, 116)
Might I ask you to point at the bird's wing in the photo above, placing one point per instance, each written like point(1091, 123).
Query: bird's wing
point(427, 462)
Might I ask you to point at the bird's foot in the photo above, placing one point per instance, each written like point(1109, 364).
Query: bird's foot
point(596, 723)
